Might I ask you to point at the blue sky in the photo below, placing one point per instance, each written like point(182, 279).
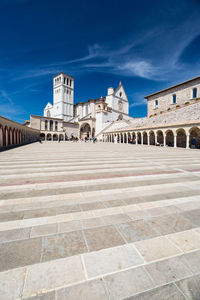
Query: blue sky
point(148, 45)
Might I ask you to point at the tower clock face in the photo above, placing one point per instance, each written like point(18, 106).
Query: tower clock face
point(120, 104)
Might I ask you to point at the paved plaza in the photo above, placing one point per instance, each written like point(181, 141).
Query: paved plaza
point(82, 221)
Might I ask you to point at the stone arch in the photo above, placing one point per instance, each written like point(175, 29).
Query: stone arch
point(181, 138)
point(61, 137)
point(160, 137)
point(125, 138)
point(16, 136)
point(6, 136)
point(129, 137)
point(55, 137)
point(152, 138)
point(49, 137)
point(169, 138)
point(42, 136)
point(10, 136)
point(134, 137)
point(122, 138)
point(145, 138)
point(1, 136)
point(139, 138)
point(85, 131)
point(194, 134)
point(13, 136)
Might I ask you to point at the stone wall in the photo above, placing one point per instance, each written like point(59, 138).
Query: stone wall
point(183, 94)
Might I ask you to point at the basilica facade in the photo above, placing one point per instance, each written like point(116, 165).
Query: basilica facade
point(173, 116)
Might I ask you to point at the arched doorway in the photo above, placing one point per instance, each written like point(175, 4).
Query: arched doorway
point(55, 137)
point(1, 135)
point(129, 137)
point(181, 138)
point(170, 138)
point(42, 136)
point(133, 137)
point(195, 134)
point(139, 139)
point(145, 141)
point(160, 137)
point(6, 136)
point(49, 137)
point(152, 138)
point(85, 131)
point(61, 137)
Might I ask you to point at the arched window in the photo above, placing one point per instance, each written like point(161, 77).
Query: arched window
point(194, 93)
point(46, 125)
point(51, 125)
point(56, 126)
point(48, 113)
point(174, 99)
point(156, 103)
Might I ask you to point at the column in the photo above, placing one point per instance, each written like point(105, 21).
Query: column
point(164, 139)
point(187, 141)
point(141, 138)
point(156, 138)
point(127, 138)
point(175, 140)
point(136, 138)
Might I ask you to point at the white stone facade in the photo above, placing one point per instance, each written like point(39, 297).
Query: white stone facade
point(63, 98)
point(98, 113)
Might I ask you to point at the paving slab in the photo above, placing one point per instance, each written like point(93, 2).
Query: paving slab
point(190, 287)
point(54, 274)
point(169, 270)
point(11, 283)
point(128, 283)
point(63, 245)
point(156, 248)
point(137, 230)
point(20, 253)
point(111, 260)
point(166, 292)
point(90, 290)
point(103, 237)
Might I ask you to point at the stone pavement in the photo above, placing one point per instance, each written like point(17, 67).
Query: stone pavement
point(99, 222)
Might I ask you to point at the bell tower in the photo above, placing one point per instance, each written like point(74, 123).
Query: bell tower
point(63, 96)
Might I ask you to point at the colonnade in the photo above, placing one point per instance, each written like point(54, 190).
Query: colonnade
point(12, 133)
point(178, 137)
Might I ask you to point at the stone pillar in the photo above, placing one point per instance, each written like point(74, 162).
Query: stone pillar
point(164, 139)
point(127, 138)
point(136, 138)
point(156, 138)
point(187, 141)
point(175, 138)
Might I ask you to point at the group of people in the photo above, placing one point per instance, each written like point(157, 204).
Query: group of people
point(87, 139)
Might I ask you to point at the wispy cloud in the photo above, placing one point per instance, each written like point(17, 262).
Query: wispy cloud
point(158, 60)
point(5, 96)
